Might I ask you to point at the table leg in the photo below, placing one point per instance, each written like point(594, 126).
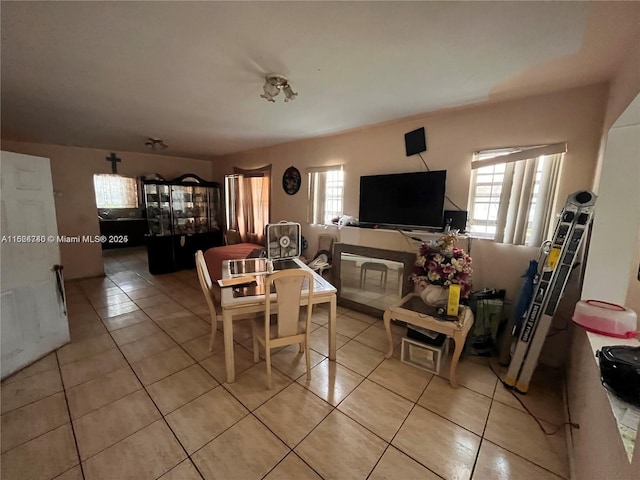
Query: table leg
point(229, 360)
point(333, 313)
point(459, 345)
point(387, 326)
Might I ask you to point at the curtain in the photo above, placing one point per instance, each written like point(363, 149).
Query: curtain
point(317, 189)
point(247, 198)
point(544, 215)
point(528, 191)
point(525, 215)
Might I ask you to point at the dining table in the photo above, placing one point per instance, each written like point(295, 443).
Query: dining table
point(250, 297)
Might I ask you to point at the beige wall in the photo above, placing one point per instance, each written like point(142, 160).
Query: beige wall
point(72, 170)
point(617, 210)
point(574, 116)
point(624, 88)
point(625, 85)
point(597, 447)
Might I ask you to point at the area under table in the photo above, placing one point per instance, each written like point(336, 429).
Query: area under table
point(411, 309)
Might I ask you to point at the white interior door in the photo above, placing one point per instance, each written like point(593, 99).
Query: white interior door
point(34, 320)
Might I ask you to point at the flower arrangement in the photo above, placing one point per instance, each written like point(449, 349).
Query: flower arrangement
point(440, 263)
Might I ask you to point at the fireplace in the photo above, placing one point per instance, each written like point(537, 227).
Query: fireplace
point(371, 280)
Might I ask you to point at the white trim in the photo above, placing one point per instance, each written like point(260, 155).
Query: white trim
point(519, 155)
point(330, 168)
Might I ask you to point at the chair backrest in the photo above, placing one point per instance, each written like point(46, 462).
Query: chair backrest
point(325, 242)
point(232, 237)
point(288, 285)
point(205, 282)
point(325, 246)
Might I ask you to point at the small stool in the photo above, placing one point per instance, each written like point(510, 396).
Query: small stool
point(376, 266)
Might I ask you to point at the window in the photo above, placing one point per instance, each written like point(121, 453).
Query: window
point(115, 191)
point(326, 192)
point(513, 192)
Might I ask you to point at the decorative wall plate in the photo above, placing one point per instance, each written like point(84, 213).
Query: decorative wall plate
point(291, 180)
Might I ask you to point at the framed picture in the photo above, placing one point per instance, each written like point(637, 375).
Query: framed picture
point(291, 180)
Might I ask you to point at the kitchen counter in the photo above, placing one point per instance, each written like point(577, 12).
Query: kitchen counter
point(123, 232)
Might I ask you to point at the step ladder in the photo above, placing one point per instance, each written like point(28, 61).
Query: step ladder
point(569, 233)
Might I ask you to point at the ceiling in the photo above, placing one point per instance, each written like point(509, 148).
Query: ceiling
point(110, 74)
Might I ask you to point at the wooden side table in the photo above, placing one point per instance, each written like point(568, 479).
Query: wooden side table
point(411, 310)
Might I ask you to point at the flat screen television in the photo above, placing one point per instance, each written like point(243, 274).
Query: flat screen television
point(403, 199)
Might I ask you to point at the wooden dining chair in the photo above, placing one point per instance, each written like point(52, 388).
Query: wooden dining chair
point(232, 237)
point(212, 296)
point(215, 310)
point(289, 328)
point(324, 257)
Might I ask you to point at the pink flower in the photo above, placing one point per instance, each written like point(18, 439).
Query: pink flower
point(448, 269)
point(439, 266)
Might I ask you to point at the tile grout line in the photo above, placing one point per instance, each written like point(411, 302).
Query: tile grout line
point(231, 393)
point(349, 417)
point(292, 449)
point(144, 387)
point(36, 401)
point(189, 456)
point(43, 433)
point(294, 381)
point(5, 382)
point(293, 452)
point(409, 400)
point(73, 430)
point(390, 443)
point(493, 400)
point(498, 383)
point(484, 430)
point(334, 408)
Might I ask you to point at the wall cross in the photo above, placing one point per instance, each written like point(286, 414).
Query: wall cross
point(114, 162)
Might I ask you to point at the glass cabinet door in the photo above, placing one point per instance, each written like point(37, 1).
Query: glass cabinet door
point(182, 207)
point(215, 220)
point(180, 201)
point(190, 209)
point(158, 206)
point(200, 210)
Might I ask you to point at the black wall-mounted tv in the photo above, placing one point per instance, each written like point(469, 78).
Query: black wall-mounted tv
point(403, 199)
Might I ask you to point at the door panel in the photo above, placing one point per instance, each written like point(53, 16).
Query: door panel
point(12, 339)
point(34, 320)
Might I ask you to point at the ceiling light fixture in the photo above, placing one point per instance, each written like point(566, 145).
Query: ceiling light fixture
point(155, 144)
point(272, 86)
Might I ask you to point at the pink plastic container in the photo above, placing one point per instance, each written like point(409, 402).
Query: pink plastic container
point(606, 318)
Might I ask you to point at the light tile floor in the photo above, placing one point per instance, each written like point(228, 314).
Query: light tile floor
point(137, 395)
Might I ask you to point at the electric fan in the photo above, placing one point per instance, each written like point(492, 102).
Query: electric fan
point(283, 240)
